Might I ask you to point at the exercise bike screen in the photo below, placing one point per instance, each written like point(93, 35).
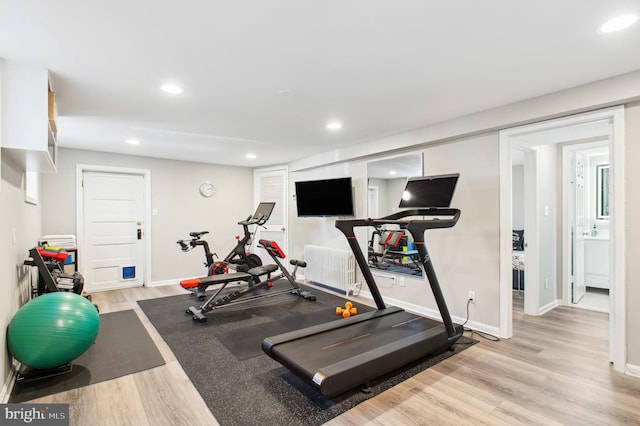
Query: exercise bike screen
point(264, 211)
point(429, 191)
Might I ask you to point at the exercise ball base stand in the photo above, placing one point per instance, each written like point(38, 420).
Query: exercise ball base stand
point(28, 374)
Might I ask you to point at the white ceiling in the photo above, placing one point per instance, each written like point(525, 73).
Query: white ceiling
point(265, 76)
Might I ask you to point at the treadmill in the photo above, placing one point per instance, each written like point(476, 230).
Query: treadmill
point(341, 355)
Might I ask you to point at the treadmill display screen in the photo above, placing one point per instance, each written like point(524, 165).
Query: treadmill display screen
point(429, 191)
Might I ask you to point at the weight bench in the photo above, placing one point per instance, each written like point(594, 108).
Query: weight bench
point(198, 286)
point(251, 277)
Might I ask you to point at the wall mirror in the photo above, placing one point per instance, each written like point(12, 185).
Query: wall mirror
point(390, 248)
point(602, 187)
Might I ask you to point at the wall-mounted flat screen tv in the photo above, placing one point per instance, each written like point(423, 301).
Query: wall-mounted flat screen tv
point(429, 191)
point(327, 197)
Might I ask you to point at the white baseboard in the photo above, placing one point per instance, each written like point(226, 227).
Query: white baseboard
point(8, 384)
point(549, 306)
point(633, 370)
point(165, 282)
point(435, 314)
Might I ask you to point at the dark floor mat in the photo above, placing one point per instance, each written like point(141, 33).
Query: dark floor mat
point(122, 347)
point(257, 390)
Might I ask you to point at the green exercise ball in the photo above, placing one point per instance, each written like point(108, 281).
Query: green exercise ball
point(52, 330)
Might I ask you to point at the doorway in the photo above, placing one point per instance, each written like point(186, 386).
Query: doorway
point(112, 223)
point(271, 185)
point(540, 137)
point(587, 225)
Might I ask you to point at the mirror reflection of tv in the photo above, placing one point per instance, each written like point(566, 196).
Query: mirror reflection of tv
point(326, 197)
point(429, 191)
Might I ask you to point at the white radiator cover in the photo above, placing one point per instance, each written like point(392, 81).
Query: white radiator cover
point(334, 268)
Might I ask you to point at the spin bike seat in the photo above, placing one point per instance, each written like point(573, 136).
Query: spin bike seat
point(198, 234)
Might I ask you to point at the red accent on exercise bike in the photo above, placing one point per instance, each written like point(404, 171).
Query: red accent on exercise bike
point(218, 268)
point(270, 284)
point(194, 282)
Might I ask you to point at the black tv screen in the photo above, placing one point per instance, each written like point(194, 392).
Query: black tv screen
point(327, 197)
point(429, 191)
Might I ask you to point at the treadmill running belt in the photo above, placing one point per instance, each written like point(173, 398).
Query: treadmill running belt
point(343, 357)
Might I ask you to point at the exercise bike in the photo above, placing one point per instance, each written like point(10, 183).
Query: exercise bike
point(253, 280)
point(239, 258)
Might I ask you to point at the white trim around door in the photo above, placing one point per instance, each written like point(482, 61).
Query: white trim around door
point(617, 318)
point(146, 227)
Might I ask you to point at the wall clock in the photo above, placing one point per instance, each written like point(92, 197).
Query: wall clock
point(206, 189)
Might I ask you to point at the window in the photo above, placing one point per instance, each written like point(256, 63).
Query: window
point(602, 186)
point(31, 189)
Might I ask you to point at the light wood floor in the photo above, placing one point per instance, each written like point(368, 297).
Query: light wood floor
point(553, 371)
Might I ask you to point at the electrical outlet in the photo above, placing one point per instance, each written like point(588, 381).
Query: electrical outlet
point(472, 296)
point(401, 281)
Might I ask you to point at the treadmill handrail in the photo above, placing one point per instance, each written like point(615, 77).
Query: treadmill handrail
point(417, 228)
point(395, 219)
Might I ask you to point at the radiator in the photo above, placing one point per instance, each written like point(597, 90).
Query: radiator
point(333, 268)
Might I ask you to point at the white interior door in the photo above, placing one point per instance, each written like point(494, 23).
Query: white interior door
point(270, 185)
point(113, 212)
point(580, 229)
point(372, 201)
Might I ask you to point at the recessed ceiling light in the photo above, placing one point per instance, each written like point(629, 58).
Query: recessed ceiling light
point(171, 88)
point(251, 156)
point(133, 141)
point(392, 172)
point(618, 23)
point(334, 125)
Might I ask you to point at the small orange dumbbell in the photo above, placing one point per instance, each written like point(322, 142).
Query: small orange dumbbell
point(347, 311)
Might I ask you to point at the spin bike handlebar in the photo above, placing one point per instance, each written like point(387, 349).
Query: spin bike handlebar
point(260, 220)
point(195, 241)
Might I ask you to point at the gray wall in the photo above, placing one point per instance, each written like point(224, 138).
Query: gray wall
point(174, 192)
point(21, 220)
point(517, 196)
point(633, 232)
point(465, 257)
point(548, 186)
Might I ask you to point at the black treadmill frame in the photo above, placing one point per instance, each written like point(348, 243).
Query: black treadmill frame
point(417, 228)
point(354, 373)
